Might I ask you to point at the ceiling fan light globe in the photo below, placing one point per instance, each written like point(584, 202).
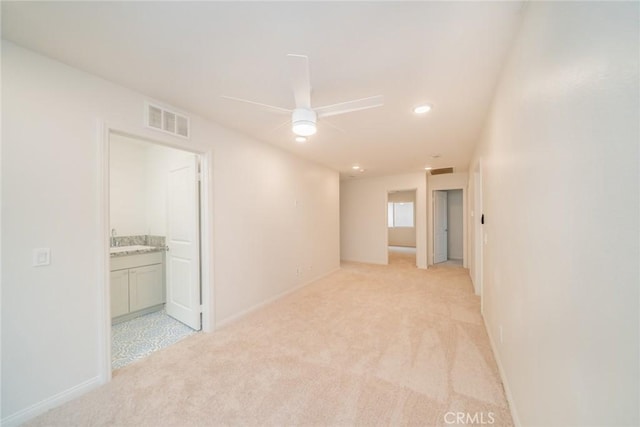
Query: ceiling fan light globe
point(303, 122)
point(304, 128)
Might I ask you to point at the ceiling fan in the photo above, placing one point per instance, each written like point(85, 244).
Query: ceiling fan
point(303, 117)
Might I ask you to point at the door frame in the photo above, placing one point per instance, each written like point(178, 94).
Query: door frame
point(206, 233)
point(415, 220)
point(478, 238)
point(434, 216)
point(430, 225)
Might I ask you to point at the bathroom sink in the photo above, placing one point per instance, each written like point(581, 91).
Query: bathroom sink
point(132, 248)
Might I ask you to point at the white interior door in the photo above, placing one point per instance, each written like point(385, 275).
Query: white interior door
point(439, 226)
point(183, 256)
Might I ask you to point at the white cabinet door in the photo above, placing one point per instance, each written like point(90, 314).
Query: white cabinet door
point(145, 287)
point(119, 292)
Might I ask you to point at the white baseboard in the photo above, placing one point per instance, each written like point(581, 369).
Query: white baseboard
point(43, 406)
point(503, 377)
point(361, 261)
point(243, 313)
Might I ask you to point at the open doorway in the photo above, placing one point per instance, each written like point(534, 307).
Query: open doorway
point(448, 228)
point(401, 227)
point(155, 256)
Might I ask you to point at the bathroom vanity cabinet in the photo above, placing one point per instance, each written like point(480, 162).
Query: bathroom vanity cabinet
point(137, 285)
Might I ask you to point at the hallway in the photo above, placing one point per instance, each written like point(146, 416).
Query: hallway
point(367, 345)
point(527, 109)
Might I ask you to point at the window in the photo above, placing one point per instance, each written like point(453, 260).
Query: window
point(400, 214)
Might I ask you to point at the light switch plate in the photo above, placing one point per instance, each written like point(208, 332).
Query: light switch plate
point(41, 256)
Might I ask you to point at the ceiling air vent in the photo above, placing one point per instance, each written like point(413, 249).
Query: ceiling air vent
point(159, 118)
point(441, 171)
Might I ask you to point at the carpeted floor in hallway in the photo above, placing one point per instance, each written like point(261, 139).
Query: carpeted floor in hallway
point(400, 256)
point(367, 345)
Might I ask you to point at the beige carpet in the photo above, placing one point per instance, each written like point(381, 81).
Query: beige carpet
point(400, 256)
point(367, 345)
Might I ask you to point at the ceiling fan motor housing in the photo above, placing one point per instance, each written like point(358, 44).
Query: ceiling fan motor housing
point(303, 121)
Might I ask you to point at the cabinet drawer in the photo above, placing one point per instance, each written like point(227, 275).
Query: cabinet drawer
point(131, 261)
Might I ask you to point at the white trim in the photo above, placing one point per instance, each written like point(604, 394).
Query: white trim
point(478, 233)
point(206, 242)
point(104, 303)
point(386, 234)
point(503, 377)
point(43, 406)
point(268, 301)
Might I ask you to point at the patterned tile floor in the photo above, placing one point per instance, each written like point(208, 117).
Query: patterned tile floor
point(139, 337)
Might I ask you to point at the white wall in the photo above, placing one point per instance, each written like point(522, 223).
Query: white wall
point(51, 198)
point(138, 185)
point(452, 181)
point(403, 236)
point(130, 186)
point(363, 217)
point(455, 220)
point(560, 170)
point(156, 199)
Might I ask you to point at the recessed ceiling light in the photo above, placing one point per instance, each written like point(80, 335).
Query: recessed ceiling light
point(301, 139)
point(428, 168)
point(355, 167)
point(421, 109)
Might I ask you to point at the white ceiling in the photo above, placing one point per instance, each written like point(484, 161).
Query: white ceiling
point(188, 54)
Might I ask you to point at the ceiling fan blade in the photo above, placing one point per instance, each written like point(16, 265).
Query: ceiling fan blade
point(271, 108)
point(350, 106)
point(338, 128)
point(281, 125)
point(299, 68)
